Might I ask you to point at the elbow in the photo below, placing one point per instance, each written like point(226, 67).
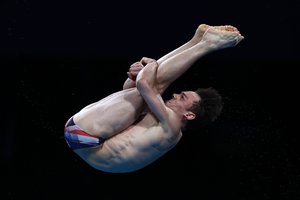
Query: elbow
point(141, 83)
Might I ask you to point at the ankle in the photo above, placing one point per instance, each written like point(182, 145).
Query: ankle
point(208, 45)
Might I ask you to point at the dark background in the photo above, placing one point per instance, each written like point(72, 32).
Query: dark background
point(58, 56)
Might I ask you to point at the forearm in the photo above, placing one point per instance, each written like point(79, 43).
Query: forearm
point(146, 85)
point(148, 75)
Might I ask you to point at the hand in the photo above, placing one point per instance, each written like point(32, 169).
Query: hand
point(134, 69)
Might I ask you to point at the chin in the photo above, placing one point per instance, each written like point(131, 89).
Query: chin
point(167, 103)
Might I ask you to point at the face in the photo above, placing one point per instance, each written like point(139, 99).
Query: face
point(183, 101)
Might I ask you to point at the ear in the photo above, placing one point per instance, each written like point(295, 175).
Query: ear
point(189, 115)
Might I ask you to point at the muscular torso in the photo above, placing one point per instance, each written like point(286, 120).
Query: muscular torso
point(133, 140)
point(132, 149)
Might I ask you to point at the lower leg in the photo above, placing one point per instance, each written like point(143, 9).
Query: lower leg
point(173, 67)
point(180, 60)
point(195, 39)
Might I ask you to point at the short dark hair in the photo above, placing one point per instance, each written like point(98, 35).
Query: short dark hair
point(207, 109)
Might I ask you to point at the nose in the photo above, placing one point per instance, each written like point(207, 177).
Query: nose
point(175, 96)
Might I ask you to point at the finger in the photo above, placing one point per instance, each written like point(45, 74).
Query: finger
point(135, 69)
point(139, 67)
point(133, 73)
point(136, 64)
point(132, 70)
point(129, 75)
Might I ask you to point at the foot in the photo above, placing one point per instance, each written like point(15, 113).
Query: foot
point(202, 28)
point(221, 37)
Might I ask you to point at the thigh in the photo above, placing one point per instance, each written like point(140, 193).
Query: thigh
point(112, 114)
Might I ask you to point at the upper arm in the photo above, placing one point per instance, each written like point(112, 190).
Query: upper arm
point(146, 84)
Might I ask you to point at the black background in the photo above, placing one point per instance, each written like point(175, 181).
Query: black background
point(58, 56)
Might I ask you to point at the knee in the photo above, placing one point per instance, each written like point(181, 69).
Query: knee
point(146, 60)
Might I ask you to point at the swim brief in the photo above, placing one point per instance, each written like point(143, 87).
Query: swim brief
point(76, 138)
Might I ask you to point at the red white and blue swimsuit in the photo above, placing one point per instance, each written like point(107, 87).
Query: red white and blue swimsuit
point(77, 138)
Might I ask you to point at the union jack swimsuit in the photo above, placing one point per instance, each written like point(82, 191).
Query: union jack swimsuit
point(76, 138)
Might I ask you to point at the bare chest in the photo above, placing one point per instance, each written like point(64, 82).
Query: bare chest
point(147, 120)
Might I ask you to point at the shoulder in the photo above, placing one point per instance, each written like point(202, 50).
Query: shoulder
point(173, 123)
